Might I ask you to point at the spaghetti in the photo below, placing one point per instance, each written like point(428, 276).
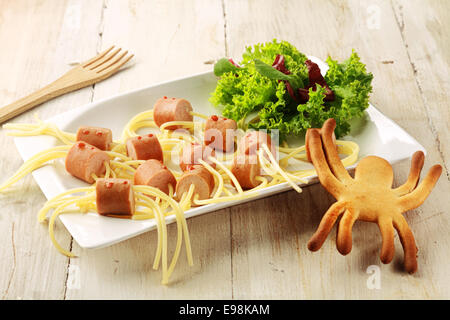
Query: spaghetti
point(152, 203)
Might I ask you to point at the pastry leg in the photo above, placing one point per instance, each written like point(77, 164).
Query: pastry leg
point(408, 243)
point(326, 177)
point(387, 234)
point(325, 226)
point(417, 197)
point(332, 155)
point(344, 233)
point(417, 161)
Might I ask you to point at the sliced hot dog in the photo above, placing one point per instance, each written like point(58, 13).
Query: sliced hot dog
point(114, 197)
point(219, 133)
point(154, 173)
point(144, 147)
point(193, 152)
point(198, 176)
point(172, 109)
point(246, 168)
point(253, 140)
point(96, 136)
point(83, 160)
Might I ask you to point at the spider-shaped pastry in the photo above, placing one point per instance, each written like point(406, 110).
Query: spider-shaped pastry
point(368, 196)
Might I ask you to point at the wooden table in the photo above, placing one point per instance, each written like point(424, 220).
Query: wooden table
point(256, 250)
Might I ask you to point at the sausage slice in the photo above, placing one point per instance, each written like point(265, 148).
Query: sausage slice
point(172, 109)
point(198, 176)
point(154, 173)
point(115, 196)
point(83, 160)
point(96, 136)
point(144, 147)
point(253, 140)
point(219, 133)
point(193, 152)
point(246, 168)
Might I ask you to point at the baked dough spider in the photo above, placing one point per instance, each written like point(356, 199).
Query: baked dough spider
point(368, 196)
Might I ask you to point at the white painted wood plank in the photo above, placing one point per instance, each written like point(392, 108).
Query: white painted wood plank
point(39, 41)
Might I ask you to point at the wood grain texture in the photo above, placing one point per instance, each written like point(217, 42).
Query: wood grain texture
point(429, 57)
point(256, 250)
point(67, 30)
point(396, 94)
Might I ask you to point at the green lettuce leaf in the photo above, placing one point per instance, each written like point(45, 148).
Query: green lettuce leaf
point(241, 92)
point(244, 90)
point(351, 84)
point(223, 66)
point(272, 73)
point(256, 90)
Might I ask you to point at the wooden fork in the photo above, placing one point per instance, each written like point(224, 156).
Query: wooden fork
point(85, 74)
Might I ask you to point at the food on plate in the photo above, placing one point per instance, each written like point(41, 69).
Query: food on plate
point(39, 128)
point(200, 178)
point(86, 162)
point(34, 163)
point(253, 140)
point(315, 78)
point(170, 110)
point(117, 165)
point(162, 186)
point(368, 197)
point(193, 152)
point(155, 174)
point(114, 197)
point(82, 162)
point(276, 87)
point(144, 147)
point(220, 133)
point(246, 169)
point(96, 136)
point(110, 196)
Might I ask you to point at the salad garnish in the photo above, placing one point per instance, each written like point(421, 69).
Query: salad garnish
point(275, 86)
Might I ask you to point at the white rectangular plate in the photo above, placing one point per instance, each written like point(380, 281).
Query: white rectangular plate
point(375, 134)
